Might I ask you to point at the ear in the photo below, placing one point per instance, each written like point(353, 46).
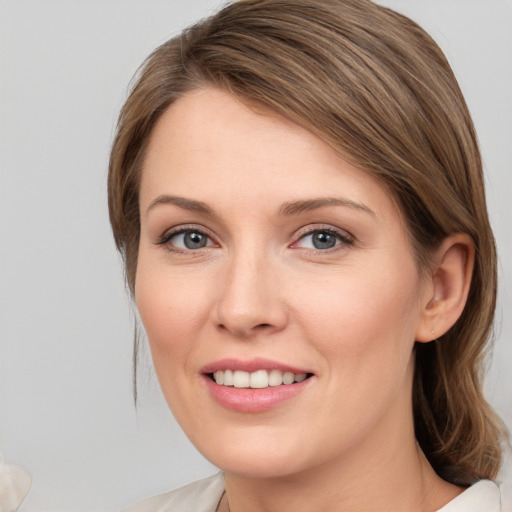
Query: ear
point(447, 287)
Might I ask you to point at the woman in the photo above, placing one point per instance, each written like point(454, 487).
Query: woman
point(296, 190)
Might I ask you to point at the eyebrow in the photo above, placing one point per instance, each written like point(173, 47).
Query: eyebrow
point(306, 205)
point(182, 202)
point(287, 209)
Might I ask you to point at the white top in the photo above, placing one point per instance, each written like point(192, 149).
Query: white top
point(204, 496)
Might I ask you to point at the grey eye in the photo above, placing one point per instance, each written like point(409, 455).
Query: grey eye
point(323, 240)
point(194, 240)
point(319, 240)
point(190, 240)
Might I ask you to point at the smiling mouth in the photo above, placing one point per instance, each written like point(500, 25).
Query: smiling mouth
point(260, 379)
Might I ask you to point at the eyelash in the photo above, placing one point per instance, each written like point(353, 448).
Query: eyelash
point(166, 238)
point(345, 239)
point(342, 237)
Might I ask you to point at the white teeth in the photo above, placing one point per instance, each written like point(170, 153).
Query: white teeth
point(228, 377)
point(256, 380)
point(240, 379)
point(288, 378)
point(259, 379)
point(275, 378)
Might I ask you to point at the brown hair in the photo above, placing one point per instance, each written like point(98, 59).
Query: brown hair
point(377, 88)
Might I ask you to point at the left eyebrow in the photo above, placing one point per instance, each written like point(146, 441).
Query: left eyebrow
point(305, 205)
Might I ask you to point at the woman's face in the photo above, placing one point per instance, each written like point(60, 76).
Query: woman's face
point(266, 258)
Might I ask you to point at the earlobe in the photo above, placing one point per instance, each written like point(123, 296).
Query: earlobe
point(447, 294)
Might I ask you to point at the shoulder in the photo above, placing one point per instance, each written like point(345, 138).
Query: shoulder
point(200, 496)
point(484, 496)
point(506, 496)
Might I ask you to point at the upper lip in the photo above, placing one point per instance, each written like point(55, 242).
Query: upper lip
point(250, 365)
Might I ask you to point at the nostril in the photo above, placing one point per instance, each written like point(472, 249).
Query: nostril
point(243, 331)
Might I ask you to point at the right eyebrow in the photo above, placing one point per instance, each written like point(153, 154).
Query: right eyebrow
point(182, 202)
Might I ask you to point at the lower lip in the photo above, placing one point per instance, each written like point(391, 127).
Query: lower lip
point(254, 400)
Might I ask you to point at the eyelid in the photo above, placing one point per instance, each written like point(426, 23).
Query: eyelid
point(345, 237)
point(165, 238)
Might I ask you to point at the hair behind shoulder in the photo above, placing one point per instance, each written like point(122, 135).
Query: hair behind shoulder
point(373, 85)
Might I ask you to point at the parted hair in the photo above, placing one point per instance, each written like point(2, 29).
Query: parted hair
point(374, 86)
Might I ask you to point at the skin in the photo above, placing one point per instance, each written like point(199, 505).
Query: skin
point(259, 288)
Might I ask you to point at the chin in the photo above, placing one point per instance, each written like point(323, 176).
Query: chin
point(258, 466)
point(266, 455)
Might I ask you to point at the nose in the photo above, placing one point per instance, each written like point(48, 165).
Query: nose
point(250, 298)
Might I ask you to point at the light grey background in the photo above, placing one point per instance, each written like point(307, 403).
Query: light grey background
point(65, 327)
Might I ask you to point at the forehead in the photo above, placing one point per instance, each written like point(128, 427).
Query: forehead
point(208, 145)
point(214, 123)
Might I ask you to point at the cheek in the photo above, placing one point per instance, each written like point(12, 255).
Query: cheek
point(368, 318)
point(172, 309)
